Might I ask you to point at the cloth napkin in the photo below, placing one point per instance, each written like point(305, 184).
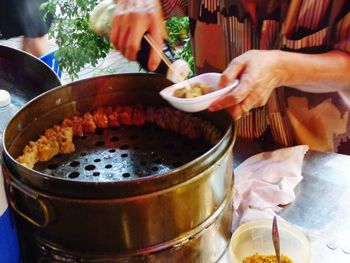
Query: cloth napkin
point(265, 182)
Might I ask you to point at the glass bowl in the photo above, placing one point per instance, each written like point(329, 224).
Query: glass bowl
point(256, 237)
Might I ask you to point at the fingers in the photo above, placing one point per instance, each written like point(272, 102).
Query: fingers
point(257, 77)
point(237, 111)
point(129, 29)
point(156, 33)
point(133, 40)
point(232, 72)
point(115, 31)
point(235, 69)
point(234, 97)
point(119, 31)
point(127, 33)
point(256, 99)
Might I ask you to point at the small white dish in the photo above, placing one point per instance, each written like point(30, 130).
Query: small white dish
point(198, 103)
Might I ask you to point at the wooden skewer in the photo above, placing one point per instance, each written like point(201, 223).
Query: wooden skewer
point(163, 57)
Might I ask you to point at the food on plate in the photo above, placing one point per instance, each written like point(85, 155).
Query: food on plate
point(59, 138)
point(192, 90)
point(257, 258)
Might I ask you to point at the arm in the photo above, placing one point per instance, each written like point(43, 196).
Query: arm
point(132, 20)
point(131, 23)
point(262, 71)
point(327, 72)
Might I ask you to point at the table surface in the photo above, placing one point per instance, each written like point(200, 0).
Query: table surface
point(322, 204)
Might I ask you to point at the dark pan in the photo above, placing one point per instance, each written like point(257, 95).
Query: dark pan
point(24, 76)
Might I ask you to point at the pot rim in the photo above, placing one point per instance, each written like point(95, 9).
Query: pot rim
point(195, 165)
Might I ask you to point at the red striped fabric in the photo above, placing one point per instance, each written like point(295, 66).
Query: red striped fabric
point(224, 29)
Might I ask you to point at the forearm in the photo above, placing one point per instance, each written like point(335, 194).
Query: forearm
point(316, 73)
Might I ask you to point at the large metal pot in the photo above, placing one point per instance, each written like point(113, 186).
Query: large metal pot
point(183, 214)
point(24, 76)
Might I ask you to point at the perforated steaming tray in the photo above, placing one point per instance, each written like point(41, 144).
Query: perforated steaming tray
point(124, 153)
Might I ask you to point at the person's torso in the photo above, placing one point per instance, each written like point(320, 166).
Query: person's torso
point(222, 30)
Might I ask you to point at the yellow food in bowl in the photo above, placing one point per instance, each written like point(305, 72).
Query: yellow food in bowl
point(192, 91)
point(257, 258)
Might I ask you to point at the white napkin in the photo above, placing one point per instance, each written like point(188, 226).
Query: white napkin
point(265, 181)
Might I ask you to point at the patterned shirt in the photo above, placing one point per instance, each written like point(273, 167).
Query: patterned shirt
point(223, 29)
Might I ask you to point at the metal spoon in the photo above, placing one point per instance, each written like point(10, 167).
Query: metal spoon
point(276, 239)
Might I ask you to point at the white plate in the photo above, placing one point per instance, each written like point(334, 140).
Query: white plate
point(199, 103)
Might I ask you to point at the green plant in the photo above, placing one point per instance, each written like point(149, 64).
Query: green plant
point(79, 45)
point(179, 38)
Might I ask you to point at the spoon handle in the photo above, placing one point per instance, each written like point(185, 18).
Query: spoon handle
point(276, 239)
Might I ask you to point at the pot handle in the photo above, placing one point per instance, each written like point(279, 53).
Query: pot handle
point(34, 196)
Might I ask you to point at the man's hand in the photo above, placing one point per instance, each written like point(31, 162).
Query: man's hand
point(132, 20)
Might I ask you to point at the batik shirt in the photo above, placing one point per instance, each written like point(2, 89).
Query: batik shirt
point(223, 29)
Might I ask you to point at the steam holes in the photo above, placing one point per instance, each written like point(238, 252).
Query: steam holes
point(73, 175)
point(99, 143)
point(90, 167)
point(124, 147)
point(74, 164)
point(52, 166)
point(133, 137)
point(99, 131)
point(154, 168)
point(114, 139)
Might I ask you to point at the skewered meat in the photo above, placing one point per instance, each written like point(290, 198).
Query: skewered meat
point(59, 139)
point(126, 115)
point(89, 125)
point(62, 135)
point(188, 127)
point(176, 119)
point(47, 148)
point(30, 155)
point(65, 139)
point(192, 129)
point(138, 115)
point(100, 118)
point(210, 132)
point(113, 119)
point(151, 114)
point(76, 123)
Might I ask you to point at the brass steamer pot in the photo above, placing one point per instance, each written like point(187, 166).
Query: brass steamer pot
point(172, 215)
